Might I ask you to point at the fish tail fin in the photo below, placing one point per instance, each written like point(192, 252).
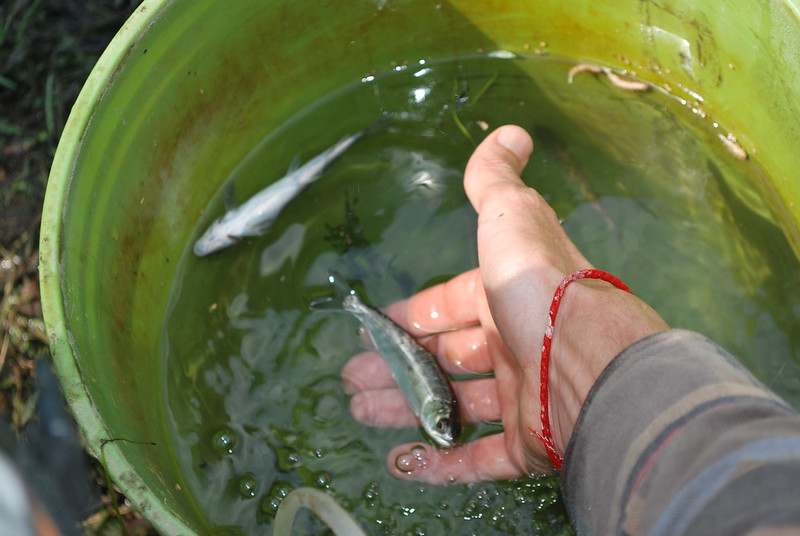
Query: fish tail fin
point(341, 289)
point(380, 124)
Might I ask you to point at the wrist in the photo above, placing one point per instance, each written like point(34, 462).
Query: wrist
point(595, 323)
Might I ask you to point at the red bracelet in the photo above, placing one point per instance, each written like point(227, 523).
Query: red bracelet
point(546, 436)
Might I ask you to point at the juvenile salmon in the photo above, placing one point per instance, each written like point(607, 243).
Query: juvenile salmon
point(416, 371)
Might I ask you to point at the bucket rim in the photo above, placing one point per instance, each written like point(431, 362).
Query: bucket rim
point(91, 424)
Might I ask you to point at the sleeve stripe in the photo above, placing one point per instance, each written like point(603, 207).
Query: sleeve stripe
point(687, 504)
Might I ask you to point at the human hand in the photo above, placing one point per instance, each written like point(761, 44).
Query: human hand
point(502, 310)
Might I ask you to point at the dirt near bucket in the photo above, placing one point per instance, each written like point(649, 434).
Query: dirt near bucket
point(47, 50)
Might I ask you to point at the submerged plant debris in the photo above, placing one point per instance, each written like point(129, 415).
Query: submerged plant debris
point(346, 234)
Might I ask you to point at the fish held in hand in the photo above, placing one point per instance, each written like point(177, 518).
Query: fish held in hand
point(416, 371)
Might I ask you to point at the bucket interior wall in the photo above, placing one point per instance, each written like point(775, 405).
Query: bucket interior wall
point(188, 88)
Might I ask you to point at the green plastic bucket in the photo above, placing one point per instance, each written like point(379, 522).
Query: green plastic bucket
point(188, 88)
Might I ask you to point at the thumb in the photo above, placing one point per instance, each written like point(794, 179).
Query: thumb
point(523, 251)
point(497, 163)
point(517, 230)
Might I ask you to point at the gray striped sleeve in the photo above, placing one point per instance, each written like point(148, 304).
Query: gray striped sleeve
point(674, 438)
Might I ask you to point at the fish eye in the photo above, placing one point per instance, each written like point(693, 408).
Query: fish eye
point(441, 424)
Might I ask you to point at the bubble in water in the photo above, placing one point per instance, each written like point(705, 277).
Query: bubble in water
point(470, 510)
point(520, 497)
point(371, 493)
point(279, 490)
point(270, 504)
point(248, 486)
point(405, 463)
point(418, 452)
point(224, 440)
point(288, 459)
point(407, 510)
point(323, 479)
point(419, 530)
point(444, 505)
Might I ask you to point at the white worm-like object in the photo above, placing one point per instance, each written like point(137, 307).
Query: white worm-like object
point(616, 80)
point(331, 512)
point(625, 83)
point(733, 146)
point(582, 68)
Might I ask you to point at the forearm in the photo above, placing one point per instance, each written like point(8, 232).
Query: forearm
point(677, 435)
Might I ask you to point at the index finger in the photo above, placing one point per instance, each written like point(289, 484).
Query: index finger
point(446, 306)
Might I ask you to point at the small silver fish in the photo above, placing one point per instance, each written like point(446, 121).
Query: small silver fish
point(416, 371)
point(255, 216)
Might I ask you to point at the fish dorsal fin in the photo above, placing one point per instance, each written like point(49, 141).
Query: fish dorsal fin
point(229, 196)
point(261, 228)
point(341, 289)
point(294, 164)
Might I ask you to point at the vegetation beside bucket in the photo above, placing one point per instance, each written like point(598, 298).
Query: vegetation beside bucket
point(47, 50)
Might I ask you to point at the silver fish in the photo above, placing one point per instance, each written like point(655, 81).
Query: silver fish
point(255, 216)
point(416, 371)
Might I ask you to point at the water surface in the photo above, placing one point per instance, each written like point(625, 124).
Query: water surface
point(641, 183)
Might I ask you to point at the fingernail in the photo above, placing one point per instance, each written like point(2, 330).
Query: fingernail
point(516, 140)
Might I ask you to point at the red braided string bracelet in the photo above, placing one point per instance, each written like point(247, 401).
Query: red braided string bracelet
point(546, 436)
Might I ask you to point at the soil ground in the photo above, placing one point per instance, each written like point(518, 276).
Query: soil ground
point(47, 49)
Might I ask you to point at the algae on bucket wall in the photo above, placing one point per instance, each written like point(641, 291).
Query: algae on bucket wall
point(188, 89)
